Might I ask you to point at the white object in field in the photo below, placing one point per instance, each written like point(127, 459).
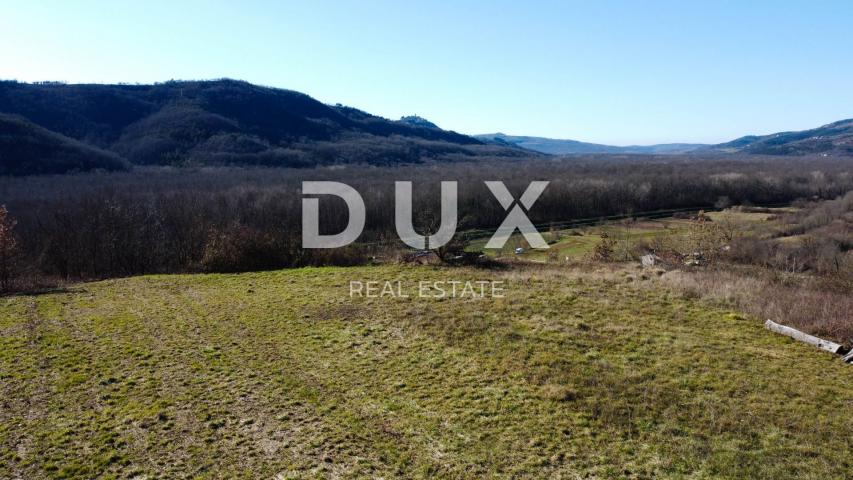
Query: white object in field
point(803, 337)
point(849, 357)
point(649, 260)
point(519, 251)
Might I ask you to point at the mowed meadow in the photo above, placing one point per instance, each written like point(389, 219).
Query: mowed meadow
point(572, 374)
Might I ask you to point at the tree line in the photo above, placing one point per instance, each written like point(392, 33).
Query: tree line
point(164, 220)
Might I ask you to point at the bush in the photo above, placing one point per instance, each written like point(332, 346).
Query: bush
point(604, 249)
point(243, 249)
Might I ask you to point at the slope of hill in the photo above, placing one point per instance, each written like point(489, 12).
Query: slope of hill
point(832, 139)
point(227, 122)
point(26, 148)
point(417, 121)
point(568, 147)
point(284, 375)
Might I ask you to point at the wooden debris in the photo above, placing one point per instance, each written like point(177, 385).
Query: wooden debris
point(803, 337)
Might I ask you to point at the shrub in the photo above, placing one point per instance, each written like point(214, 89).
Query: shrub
point(604, 249)
point(242, 249)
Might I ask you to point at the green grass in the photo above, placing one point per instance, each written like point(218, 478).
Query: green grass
point(575, 243)
point(281, 374)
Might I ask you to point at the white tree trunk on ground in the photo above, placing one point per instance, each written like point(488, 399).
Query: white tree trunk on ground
point(803, 337)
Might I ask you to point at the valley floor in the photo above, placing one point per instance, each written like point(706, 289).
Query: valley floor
point(283, 375)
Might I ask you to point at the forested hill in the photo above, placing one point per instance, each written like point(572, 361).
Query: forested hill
point(555, 146)
point(220, 122)
point(835, 139)
point(26, 148)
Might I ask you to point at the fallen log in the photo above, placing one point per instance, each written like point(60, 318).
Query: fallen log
point(803, 337)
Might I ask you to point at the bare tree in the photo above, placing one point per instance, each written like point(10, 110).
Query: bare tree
point(8, 249)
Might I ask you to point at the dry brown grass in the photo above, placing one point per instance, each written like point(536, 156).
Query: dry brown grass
point(800, 301)
point(799, 304)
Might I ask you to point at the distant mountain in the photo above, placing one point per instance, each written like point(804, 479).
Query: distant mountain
point(417, 121)
point(53, 127)
point(222, 122)
point(26, 148)
point(832, 139)
point(568, 147)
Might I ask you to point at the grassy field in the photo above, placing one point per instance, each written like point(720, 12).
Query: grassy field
point(576, 243)
point(282, 375)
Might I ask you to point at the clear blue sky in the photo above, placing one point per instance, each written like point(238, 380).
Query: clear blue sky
point(604, 71)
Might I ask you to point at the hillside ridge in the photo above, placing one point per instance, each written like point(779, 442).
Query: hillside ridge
point(226, 122)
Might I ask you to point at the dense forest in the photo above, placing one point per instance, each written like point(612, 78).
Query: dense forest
point(206, 176)
point(27, 149)
point(162, 219)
